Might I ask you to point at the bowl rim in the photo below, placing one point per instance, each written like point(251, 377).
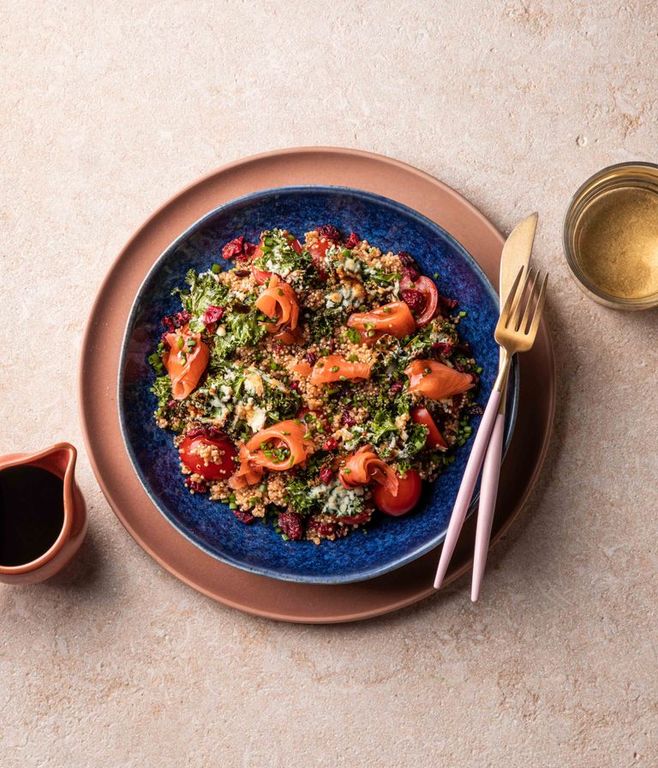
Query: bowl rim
point(366, 574)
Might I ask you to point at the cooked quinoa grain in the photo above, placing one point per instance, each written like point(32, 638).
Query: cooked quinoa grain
point(310, 380)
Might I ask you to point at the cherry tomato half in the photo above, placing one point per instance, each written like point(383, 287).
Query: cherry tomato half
point(409, 488)
point(435, 439)
point(225, 465)
point(318, 252)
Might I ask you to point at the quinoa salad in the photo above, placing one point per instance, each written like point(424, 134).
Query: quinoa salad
point(314, 384)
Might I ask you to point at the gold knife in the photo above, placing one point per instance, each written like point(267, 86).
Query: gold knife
point(516, 254)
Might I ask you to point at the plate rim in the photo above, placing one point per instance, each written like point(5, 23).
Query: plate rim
point(385, 171)
point(205, 219)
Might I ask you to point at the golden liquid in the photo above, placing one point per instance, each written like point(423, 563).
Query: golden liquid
point(617, 244)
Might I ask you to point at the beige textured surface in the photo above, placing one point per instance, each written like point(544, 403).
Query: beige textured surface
point(107, 109)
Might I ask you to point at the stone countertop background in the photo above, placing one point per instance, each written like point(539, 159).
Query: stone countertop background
point(108, 109)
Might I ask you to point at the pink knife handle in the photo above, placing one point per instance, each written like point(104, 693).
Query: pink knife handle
point(488, 491)
point(467, 486)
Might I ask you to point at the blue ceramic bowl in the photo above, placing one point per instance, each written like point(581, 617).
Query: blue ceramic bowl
point(389, 542)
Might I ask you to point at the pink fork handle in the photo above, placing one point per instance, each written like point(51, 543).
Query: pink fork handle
point(467, 486)
point(488, 491)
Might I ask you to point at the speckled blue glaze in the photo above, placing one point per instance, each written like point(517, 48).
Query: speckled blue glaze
point(389, 542)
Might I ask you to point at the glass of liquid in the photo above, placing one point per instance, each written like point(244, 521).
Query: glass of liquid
point(611, 236)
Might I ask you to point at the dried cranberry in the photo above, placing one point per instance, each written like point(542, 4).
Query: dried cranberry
point(233, 248)
point(410, 274)
point(241, 272)
point(326, 475)
point(238, 249)
point(311, 358)
point(172, 322)
point(171, 404)
point(444, 348)
point(407, 260)
point(243, 516)
point(410, 268)
point(196, 486)
point(320, 530)
point(348, 419)
point(329, 231)
point(213, 314)
point(206, 431)
point(291, 525)
point(396, 388)
point(180, 318)
point(294, 385)
point(353, 240)
point(330, 444)
point(414, 300)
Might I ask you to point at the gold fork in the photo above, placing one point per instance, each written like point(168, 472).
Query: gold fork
point(515, 332)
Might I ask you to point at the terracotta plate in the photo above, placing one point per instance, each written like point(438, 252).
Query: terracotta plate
point(100, 361)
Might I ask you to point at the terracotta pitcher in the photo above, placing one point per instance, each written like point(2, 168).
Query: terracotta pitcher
point(59, 460)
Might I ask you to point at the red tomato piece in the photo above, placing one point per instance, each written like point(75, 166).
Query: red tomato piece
point(409, 489)
point(261, 276)
point(219, 461)
point(318, 251)
point(421, 415)
point(431, 296)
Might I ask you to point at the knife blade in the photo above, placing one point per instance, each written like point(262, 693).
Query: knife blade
point(516, 254)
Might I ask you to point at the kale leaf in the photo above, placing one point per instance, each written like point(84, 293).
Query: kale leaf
point(204, 291)
point(278, 254)
point(242, 329)
point(162, 390)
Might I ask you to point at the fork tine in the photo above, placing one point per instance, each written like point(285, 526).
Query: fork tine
point(505, 313)
point(519, 295)
point(539, 306)
point(532, 282)
point(519, 301)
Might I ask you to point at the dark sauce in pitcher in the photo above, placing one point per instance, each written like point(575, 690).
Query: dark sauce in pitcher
point(31, 513)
